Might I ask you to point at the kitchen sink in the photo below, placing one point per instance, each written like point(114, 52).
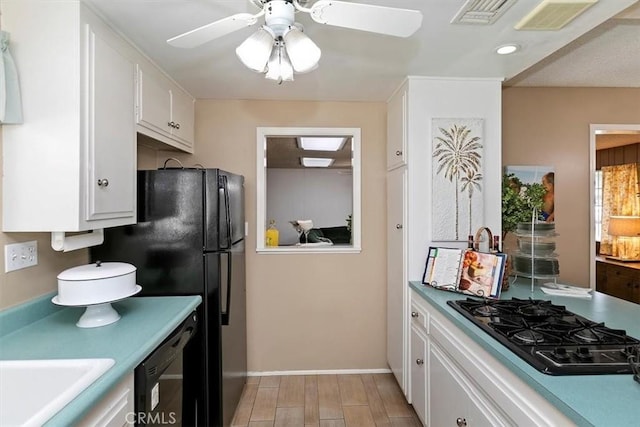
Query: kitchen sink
point(33, 391)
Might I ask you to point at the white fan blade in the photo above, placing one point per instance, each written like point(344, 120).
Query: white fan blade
point(366, 17)
point(214, 30)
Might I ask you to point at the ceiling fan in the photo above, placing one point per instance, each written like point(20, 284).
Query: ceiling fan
point(280, 47)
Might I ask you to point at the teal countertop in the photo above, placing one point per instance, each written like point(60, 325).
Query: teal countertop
point(589, 400)
point(40, 330)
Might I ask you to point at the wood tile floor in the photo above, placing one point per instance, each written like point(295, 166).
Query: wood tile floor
point(365, 400)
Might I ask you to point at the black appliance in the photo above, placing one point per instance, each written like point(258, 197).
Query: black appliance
point(551, 338)
point(158, 380)
point(189, 240)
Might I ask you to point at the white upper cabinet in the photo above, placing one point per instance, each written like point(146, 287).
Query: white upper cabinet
point(71, 165)
point(397, 129)
point(165, 112)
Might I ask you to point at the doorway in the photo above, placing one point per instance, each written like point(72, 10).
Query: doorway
point(603, 136)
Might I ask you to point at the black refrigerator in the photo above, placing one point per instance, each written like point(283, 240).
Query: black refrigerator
point(189, 240)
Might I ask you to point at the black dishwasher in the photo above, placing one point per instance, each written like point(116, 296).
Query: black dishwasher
point(158, 382)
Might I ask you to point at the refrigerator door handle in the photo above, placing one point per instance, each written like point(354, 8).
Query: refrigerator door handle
point(224, 193)
point(226, 312)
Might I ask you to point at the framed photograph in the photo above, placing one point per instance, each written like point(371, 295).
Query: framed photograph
point(544, 175)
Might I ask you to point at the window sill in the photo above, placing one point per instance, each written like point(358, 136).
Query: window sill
point(340, 249)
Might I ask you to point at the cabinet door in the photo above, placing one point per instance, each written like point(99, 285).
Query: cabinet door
point(397, 130)
point(182, 115)
point(154, 103)
point(111, 130)
point(115, 409)
point(616, 280)
point(397, 287)
point(453, 401)
point(419, 369)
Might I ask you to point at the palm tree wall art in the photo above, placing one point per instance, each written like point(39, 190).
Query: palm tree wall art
point(457, 209)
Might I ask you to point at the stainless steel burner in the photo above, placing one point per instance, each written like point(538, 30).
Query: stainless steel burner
point(588, 335)
point(486, 311)
point(528, 336)
point(534, 311)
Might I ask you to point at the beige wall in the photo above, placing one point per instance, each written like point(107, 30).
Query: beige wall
point(550, 126)
point(306, 311)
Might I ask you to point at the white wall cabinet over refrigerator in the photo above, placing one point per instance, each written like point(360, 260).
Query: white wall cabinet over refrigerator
point(410, 112)
point(71, 165)
point(164, 111)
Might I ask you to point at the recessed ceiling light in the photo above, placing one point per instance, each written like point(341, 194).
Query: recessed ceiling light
point(321, 143)
point(314, 162)
point(507, 49)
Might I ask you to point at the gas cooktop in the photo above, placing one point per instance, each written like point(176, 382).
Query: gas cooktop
point(552, 339)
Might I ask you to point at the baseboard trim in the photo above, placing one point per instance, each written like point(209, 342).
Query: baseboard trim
point(318, 372)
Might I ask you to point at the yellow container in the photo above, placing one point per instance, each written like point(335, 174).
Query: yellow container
point(272, 235)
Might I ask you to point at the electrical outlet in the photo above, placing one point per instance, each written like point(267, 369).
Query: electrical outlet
point(20, 255)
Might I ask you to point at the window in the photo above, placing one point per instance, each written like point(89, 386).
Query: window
point(325, 192)
point(598, 205)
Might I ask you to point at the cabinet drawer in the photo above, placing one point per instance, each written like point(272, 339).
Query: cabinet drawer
point(420, 317)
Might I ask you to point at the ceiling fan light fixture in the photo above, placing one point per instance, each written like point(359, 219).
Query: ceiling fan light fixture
point(255, 51)
point(279, 67)
point(303, 52)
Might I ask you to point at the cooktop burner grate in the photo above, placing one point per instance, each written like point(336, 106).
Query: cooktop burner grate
point(551, 338)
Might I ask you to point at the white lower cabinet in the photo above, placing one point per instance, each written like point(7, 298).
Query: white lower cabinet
point(456, 402)
point(419, 354)
point(116, 409)
point(461, 384)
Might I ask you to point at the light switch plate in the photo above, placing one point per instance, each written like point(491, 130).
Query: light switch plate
point(20, 255)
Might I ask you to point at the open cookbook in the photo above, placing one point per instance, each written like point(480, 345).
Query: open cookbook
point(465, 270)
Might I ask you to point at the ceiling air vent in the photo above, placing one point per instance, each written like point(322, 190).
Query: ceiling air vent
point(483, 12)
point(553, 14)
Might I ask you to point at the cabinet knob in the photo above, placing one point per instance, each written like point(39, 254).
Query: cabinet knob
point(461, 422)
point(398, 153)
point(419, 362)
point(103, 182)
point(414, 314)
point(171, 124)
point(398, 226)
point(177, 126)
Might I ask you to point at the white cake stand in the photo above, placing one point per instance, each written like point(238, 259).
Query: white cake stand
point(97, 314)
